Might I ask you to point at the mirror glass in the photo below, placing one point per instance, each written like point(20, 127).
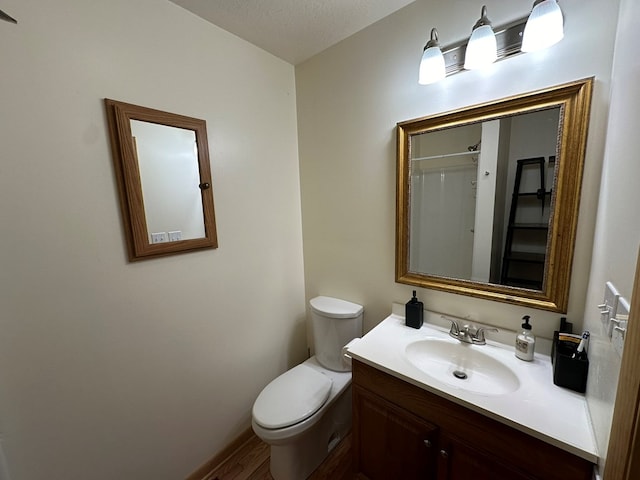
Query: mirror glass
point(488, 197)
point(462, 191)
point(162, 167)
point(168, 162)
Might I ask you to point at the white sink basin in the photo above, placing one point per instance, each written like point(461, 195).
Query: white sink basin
point(462, 365)
point(519, 394)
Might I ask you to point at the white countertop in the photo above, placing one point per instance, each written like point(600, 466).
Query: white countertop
point(538, 407)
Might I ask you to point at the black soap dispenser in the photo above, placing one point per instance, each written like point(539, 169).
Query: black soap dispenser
point(414, 312)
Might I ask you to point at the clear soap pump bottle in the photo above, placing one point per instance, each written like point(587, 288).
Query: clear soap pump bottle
point(525, 342)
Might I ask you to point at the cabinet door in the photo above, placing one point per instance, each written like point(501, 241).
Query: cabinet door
point(391, 442)
point(458, 460)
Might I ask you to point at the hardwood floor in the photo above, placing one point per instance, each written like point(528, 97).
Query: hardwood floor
point(251, 462)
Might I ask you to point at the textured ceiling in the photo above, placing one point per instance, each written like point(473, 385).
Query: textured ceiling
point(293, 30)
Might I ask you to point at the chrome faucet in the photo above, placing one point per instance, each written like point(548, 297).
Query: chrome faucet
point(468, 334)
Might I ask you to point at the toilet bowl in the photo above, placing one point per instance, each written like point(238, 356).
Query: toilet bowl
point(305, 412)
point(303, 440)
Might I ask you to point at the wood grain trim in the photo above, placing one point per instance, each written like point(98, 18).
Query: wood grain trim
point(623, 455)
point(218, 459)
point(119, 115)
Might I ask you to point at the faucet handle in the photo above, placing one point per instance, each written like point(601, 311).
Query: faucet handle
point(479, 335)
point(454, 331)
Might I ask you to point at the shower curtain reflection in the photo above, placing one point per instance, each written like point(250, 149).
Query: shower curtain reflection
point(444, 191)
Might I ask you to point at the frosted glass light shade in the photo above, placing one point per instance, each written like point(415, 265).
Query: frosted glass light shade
point(432, 68)
point(544, 27)
point(481, 49)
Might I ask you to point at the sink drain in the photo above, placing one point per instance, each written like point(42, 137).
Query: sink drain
point(460, 375)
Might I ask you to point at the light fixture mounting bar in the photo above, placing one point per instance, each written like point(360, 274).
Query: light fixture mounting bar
point(508, 39)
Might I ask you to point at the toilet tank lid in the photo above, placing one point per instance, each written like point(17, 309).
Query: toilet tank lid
point(335, 308)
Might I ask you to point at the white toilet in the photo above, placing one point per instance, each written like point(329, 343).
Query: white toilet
point(306, 411)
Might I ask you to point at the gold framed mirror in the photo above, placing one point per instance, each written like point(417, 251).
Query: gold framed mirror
point(487, 197)
point(162, 168)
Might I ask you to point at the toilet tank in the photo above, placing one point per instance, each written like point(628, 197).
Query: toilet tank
point(334, 323)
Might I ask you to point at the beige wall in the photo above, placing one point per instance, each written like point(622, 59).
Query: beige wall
point(111, 370)
point(618, 227)
point(350, 98)
point(116, 370)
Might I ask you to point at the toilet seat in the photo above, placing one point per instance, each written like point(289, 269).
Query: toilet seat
point(291, 398)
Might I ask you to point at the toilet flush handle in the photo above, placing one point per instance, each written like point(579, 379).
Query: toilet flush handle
point(346, 358)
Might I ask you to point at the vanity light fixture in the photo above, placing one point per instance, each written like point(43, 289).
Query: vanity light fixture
point(521, 35)
point(432, 64)
point(544, 26)
point(482, 49)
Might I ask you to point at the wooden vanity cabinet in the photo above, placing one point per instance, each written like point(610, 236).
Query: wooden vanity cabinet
point(403, 431)
point(388, 436)
point(457, 459)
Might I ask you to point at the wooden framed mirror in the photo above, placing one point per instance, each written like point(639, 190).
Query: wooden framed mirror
point(162, 168)
point(488, 196)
